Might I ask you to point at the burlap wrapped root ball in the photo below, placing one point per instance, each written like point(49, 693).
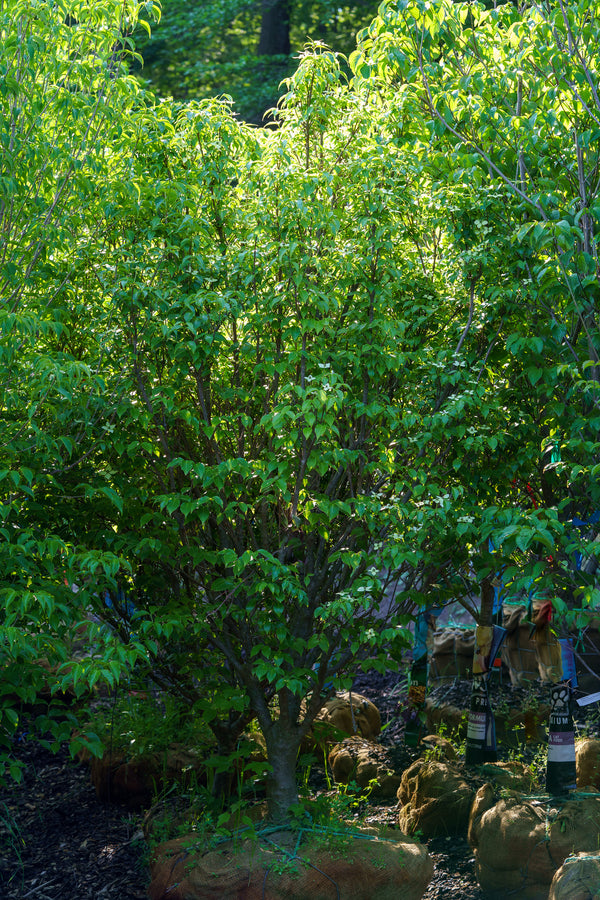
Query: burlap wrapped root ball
point(577, 879)
point(587, 764)
point(367, 764)
point(435, 799)
point(519, 844)
point(444, 715)
point(392, 867)
point(548, 654)
point(518, 647)
point(345, 714)
point(438, 747)
point(510, 775)
point(134, 782)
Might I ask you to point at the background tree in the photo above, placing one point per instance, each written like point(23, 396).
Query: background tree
point(275, 24)
point(255, 369)
point(242, 48)
point(64, 88)
point(262, 307)
point(508, 98)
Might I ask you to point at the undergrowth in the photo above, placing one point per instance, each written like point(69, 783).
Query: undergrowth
point(141, 722)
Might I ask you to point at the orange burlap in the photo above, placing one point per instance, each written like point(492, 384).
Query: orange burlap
point(438, 747)
point(451, 717)
point(547, 651)
point(587, 762)
point(452, 654)
point(518, 648)
point(347, 714)
point(511, 775)
point(134, 782)
point(392, 868)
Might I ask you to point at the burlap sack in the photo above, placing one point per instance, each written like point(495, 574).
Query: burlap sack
point(435, 798)
point(511, 775)
point(369, 765)
point(512, 725)
point(519, 844)
point(522, 723)
point(452, 718)
point(451, 654)
point(548, 654)
point(360, 868)
point(587, 764)
point(518, 648)
point(135, 782)
point(438, 747)
point(577, 879)
point(347, 713)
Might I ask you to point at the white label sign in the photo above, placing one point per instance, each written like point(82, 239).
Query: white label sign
point(591, 698)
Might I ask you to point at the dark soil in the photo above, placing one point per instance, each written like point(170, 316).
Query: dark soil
point(453, 877)
point(58, 842)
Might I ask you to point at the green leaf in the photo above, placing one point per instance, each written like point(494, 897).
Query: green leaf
point(112, 496)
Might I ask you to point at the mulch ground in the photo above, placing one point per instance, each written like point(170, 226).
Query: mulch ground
point(58, 842)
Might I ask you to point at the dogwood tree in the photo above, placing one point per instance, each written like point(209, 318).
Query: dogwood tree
point(506, 100)
point(63, 94)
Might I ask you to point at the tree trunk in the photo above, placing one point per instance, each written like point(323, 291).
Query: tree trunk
point(283, 744)
point(275, 28)
point(227, 733)
point(486, 615)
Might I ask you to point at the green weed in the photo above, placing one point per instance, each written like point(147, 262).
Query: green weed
point(12, 841)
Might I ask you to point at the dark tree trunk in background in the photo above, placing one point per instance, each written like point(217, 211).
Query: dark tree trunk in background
point(275, 28)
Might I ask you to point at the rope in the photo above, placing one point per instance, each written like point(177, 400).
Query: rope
point(293, 856)
point(306, 863)
point(576, 795)
point(276, 829)
point(572, 795)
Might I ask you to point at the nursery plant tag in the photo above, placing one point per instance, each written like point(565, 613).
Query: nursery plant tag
point(560, 768)
point(481, 731)
point(591, 698)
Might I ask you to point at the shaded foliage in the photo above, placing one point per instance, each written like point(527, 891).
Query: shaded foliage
point(242, 48)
